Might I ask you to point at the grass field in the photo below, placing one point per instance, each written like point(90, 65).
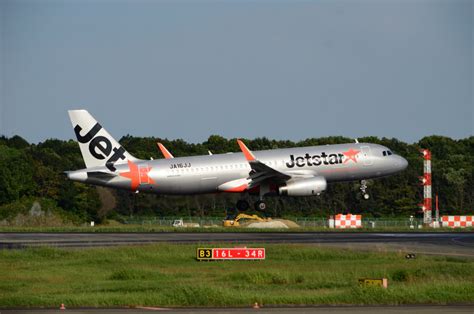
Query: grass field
point(169, 275)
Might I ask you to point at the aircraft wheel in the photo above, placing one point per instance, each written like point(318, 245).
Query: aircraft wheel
point(242, 205)
point(260, 205)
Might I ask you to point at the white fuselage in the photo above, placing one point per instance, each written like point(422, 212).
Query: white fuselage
point(205, 174)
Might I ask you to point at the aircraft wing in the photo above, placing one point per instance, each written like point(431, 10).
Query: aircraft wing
point(260, 171)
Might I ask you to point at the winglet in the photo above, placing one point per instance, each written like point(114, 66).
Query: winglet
point(247, 153)
point(164, 151)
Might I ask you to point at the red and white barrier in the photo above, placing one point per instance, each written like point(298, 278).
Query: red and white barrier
point(348, 221)
point(457, 221)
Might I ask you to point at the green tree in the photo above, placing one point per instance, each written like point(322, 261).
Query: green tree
point(16, 175)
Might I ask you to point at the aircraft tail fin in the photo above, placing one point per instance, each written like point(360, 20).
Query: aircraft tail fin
point(97, 146)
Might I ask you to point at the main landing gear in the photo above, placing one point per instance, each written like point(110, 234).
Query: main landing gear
point(260, 205)
point(363, 188)
point(243, 205)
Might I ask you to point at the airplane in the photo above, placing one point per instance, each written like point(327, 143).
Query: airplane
point(299, 171)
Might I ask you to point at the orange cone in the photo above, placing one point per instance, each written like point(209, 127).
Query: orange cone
point(62, 307)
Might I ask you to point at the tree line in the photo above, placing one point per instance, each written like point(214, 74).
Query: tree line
point(35, 173)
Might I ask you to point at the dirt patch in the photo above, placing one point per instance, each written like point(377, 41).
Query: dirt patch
point(289, 223)
point(267, 224)
point(275, 223)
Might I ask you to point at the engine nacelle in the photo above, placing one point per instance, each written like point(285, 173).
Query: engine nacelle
point(304, 187)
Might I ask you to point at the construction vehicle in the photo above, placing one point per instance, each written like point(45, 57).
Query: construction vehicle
point(178, 223)
point(235, 222)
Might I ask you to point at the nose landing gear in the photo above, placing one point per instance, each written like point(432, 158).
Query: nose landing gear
point(363, 188)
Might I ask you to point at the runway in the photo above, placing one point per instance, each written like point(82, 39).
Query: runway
point(444, 243)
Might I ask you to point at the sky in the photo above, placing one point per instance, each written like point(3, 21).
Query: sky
point(280, 69)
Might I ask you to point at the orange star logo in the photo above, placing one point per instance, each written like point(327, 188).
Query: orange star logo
point(138, 175)
point(351, 155)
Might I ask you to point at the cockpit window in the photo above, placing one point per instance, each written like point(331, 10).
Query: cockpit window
point(389, 153)
point(384, 153)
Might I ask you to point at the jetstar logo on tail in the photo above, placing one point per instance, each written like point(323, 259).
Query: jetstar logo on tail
point(100, 146)
point(138, 175)
point(323, 158)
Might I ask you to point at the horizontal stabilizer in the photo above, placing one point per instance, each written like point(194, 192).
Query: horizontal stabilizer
point(100, 175)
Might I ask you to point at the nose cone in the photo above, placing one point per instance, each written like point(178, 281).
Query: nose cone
point(402, 163)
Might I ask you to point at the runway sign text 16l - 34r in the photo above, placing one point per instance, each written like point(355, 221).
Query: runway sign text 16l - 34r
point(209, 254)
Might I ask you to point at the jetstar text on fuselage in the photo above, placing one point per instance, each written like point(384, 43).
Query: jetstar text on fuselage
point(316, 160)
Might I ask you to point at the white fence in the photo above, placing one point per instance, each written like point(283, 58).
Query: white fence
point(304, 222)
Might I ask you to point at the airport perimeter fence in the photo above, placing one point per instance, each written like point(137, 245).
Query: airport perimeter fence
point(366, 222)
point(168, 221)
point(305, 222)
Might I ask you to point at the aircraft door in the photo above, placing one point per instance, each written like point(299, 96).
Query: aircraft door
point(143, 174)
point(366, 155)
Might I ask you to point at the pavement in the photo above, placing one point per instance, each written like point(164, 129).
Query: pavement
point(436, 243)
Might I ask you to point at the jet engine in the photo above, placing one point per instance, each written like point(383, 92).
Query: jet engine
point(304, 187)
